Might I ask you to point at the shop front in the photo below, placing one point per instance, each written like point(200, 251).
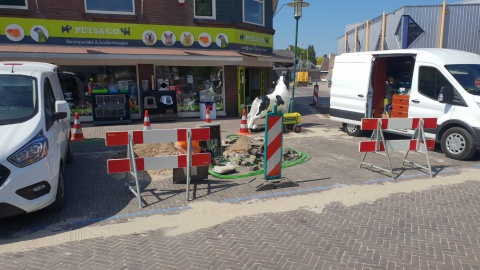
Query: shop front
point(89, 87)
point(196, 88)
point(252, 83)
point(105, 70)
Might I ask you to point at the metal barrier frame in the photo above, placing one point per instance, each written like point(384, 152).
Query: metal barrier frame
point(387, 146)
point(202, 135)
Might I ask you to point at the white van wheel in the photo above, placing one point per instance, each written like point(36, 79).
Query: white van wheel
point(457, 143)
point(60, 197)
point(352, 130)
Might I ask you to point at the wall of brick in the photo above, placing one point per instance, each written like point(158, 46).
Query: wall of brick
point(145, 72)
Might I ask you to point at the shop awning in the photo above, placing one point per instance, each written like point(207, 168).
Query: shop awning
point(273, 58)
point(115, 55)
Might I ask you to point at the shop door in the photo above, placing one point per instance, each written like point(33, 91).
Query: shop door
point(241, 89)
point(254, 86)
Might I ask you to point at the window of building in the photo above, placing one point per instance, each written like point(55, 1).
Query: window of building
point(254, 11)
point(194, 86)
point(431, 81)
point(413, 31)
point(79, 83)
point(123, 7)
point(204, 9)
point(14, 4)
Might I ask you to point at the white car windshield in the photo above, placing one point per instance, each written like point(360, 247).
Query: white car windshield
point(18, 98)
point(468, 76)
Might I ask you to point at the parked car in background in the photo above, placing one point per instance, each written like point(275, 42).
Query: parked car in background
point(34, 138)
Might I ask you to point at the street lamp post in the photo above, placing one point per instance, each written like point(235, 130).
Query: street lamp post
point(297, 14)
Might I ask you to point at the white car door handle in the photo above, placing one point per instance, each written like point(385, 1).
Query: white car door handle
point(360, 95)
point(416, 101)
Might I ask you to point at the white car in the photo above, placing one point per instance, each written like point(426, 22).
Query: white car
point(34, 138)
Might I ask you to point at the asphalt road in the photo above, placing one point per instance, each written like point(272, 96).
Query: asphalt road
point(340, 216)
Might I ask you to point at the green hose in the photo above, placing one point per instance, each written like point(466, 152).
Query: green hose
point(303, 157)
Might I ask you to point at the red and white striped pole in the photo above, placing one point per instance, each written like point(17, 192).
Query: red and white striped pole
point(273, 150)
point(315, 95)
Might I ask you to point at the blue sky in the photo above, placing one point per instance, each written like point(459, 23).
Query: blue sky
point(324, 20)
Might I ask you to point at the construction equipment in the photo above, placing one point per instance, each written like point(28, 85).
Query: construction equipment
point(302, 78)
point(293, 121)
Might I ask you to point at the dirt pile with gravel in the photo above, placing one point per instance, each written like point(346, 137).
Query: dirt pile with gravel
point(153, 150)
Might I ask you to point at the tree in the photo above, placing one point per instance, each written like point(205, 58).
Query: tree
point(319, 61)
point(311, 54)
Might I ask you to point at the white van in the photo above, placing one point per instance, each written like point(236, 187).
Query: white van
point(439, 83)
point(34, 138)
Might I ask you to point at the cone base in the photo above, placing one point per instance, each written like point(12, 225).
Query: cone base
point(244, 133)
point(77, 139)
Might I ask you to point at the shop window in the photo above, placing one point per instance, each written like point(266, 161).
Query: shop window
point(80, 83)
point(204, 9)
point(14, 4)
point(413, 31)
point(254, 11)
point(123, 7)
point(194, 86)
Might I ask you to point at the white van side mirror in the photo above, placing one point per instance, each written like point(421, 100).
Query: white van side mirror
point(61, 106)
point(446, 94)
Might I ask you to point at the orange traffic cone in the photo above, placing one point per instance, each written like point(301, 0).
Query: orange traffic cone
point(243, 124)
point(77, 130)
point(146, 122)
point(207, 116)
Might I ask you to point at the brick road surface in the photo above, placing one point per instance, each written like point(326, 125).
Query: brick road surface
point(339, 217)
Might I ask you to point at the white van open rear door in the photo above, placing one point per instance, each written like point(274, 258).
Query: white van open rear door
point(350, 87)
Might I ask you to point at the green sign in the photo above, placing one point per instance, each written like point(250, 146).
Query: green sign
point(83, 33)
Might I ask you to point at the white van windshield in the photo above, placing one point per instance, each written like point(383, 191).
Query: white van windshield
point(468, 76)
point(18, 99)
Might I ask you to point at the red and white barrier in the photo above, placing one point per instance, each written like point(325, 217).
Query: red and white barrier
point(157, 163)
point(417, 143)
point(273, 151)
point(117, 138)
point(133, 164)
point(395, 146)
point(398, 123)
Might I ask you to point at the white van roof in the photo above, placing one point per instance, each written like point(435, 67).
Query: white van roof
point(432, 55)
point(26, 66)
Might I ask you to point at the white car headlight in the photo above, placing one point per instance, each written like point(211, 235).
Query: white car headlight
point(32, 152)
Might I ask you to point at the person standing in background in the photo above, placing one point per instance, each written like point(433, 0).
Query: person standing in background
point(90, 85)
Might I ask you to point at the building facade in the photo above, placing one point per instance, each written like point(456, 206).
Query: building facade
point(208, 52)
point(453, 26)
